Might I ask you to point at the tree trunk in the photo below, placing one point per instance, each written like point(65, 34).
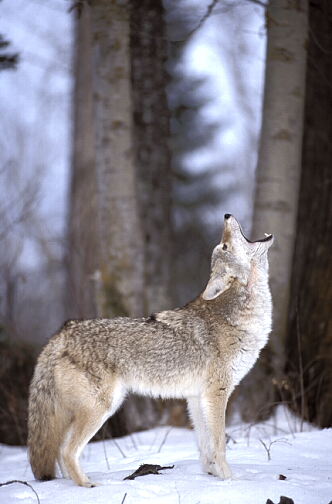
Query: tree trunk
point(149, 49)
point(309, 345)
point(278, 174)
point(83, 241)
point(148, 44)
point(129, 176)
point(121, 246)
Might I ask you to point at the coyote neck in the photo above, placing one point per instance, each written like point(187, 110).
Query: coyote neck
point(247, 308)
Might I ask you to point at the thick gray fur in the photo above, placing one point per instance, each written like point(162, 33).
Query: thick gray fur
point(200, 352)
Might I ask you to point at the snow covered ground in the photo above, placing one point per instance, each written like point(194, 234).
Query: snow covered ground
point(303, 457)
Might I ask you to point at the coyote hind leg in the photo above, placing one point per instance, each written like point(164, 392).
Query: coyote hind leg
point(88, 407)
point(83, 427)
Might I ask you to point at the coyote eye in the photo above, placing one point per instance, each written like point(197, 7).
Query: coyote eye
point(224, 247)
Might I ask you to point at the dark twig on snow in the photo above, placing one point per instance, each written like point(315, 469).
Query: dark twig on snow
point(283, 500)
point(22, 483)
point(145, 469)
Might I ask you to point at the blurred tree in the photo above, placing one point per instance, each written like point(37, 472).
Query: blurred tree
point(195, 192)
point(31, 254)
point(83, 247)
point(120, 198)
point(208, 176)
point(149, 51)
point(309, 343)
point(278, 175)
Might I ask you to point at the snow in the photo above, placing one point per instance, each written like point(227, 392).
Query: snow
point(303, 457)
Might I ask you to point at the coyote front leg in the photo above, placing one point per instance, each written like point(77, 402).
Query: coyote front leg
point(201, 430)
point(214, 402)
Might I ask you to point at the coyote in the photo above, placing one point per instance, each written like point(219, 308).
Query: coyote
point(200, 352)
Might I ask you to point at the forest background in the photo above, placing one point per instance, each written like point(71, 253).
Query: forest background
point(128, 129)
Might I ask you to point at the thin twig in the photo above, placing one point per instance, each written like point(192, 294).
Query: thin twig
point(268, 448)
point(177, 491)
point(258, 2)
point(105, 454)
point(209, 10)
point(318, 44)
point(119, 448)
point(154, 440)
point(23, 483)
point(164, 440)
point(299, 347)
point(133, 441)
point(124, 498)
point(230, 438)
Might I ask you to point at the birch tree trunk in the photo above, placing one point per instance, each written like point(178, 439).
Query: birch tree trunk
point(309, 344)
point(278, 173)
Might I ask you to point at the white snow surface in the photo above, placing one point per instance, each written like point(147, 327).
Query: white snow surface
point(303, 457)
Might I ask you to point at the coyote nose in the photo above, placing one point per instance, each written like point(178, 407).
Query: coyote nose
point(227, 215)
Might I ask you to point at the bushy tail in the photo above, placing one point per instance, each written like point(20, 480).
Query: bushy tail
point(44, 423)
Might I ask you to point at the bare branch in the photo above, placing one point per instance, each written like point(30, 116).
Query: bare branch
point(299, 349)
point(105, 455)
point(23, 483)
point(268, 448)
point(209, 10)
point(164, 440)
point(258, 2)
point(119, 448)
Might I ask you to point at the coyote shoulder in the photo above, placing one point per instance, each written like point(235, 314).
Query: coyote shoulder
point(200, 352)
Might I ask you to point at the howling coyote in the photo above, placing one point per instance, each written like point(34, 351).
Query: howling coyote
point(200, 352)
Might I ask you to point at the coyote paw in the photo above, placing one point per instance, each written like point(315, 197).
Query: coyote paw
point(220, 470)
point(90, 484)
point(208, 466)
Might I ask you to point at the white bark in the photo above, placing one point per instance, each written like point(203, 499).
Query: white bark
point(279, 163)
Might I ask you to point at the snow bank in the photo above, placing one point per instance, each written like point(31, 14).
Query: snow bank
point(304, 458)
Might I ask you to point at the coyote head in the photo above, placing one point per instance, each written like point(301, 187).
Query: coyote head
point(234, 258)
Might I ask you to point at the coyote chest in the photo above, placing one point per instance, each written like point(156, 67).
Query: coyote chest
point(243, 346)
point(176, 387)
point(241, 363)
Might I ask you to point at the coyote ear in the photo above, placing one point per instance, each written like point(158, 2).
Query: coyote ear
point(214, 288)
point(261, 246)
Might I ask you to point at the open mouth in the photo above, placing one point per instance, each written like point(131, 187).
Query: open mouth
point(267, 238)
